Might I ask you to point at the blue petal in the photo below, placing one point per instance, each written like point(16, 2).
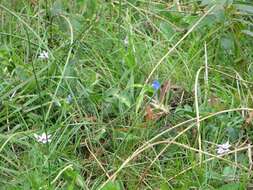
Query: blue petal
point(156, 84)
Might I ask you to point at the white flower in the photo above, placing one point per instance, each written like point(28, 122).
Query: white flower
point(223, 148)
point(69, 99)
point(44, 55)
point(43, 138)
point(222, 151)
point(126, 42)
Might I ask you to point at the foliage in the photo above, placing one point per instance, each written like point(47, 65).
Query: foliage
point(89, 91)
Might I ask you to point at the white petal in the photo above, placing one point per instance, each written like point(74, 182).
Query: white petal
point(225, 145)
point(43, 135)
point(43, 138)
point(43, 55)
point(44, 141)
point(222, 151)
point(46, 54)
point(126, 41)
point(36, 136)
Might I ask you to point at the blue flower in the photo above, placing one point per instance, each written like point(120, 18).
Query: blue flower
point(156, 85)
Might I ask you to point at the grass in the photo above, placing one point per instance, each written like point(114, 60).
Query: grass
point(110, 129)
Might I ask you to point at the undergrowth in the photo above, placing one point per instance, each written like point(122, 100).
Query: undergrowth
point(132, 94)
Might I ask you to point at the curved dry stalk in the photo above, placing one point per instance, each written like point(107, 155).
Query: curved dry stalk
point(99, 163)
point(207, 160)
point(179, 42)
point(231, 76)
point(203, 152)
point(70, 166)
point(197, 113)
point(147, 144)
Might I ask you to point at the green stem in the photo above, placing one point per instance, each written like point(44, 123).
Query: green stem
point(41, 105)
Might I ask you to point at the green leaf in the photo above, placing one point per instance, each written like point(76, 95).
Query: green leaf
point(217, 2)
point(100, 135)
point(91, 6)
point(167, 30)
point(74, 179)
point(229, 173)
point(244, 8)
point(128, 137)
point(164, 186)
point(57, 8)
point(140, 100)
point(123, 99)
point(80, 182)
point(231, 186)
point(227, 43)
point(247, 32)
point(112, 186)
point(76, 21)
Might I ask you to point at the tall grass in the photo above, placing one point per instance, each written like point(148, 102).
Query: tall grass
point(94, 94)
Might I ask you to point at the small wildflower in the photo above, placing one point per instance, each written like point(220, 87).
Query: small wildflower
point(44, 55)
point(156, 85)
point(69, 99)
point(43, 138)
point(126, 42)
point(223, 148)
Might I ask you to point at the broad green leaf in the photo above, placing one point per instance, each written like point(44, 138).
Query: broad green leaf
point(167, 30)
point(229, 173)
point(231, 186)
